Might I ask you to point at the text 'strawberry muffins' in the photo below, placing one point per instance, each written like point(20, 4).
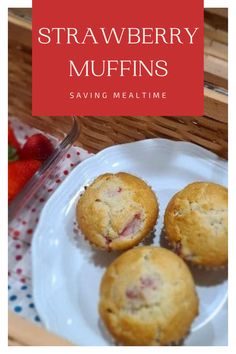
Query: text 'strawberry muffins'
point(117, 211)
point(196, 224)
point(148, 297)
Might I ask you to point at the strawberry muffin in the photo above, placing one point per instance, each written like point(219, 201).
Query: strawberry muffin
point(117, 211)
point(148, 297)
point(196, 224)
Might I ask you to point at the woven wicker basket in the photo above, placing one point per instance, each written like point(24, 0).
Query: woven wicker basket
point(209, 131)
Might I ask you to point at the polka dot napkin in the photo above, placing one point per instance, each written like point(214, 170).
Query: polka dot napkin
point(22, 228)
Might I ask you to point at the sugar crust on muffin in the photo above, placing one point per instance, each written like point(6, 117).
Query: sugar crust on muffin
point(117, 211)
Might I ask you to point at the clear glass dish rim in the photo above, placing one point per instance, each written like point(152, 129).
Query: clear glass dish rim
point(32, 186)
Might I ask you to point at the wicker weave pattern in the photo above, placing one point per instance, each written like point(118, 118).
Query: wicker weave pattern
point(100, 132)
point(106, 131)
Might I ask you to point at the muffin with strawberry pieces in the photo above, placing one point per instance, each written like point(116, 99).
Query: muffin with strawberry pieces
point(117, 211)
point(196, 224)
point(148, 297)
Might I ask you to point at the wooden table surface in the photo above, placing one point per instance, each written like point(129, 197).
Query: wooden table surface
point(25, 333)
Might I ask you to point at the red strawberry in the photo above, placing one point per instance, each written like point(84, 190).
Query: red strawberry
point(37, 147)
point(12, 141)
point(19, 172)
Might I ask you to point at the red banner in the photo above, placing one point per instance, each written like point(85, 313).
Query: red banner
point(118, 58)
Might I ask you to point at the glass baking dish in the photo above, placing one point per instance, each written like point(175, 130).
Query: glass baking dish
point(62, 131)
point(62, 141)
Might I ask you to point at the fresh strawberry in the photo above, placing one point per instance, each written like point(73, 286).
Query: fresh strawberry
point(37, 147)
point(12, 141)
point(19, 172)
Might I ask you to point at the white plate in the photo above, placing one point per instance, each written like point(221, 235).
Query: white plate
point(66, 276)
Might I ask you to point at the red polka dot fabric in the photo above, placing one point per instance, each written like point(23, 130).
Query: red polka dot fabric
point(22, 228)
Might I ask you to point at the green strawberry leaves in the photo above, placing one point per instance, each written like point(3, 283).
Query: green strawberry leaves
point(12, 154)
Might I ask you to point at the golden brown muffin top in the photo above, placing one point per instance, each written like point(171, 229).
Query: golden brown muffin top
point(117, 211)
point(147, 297)
point(196, 223)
